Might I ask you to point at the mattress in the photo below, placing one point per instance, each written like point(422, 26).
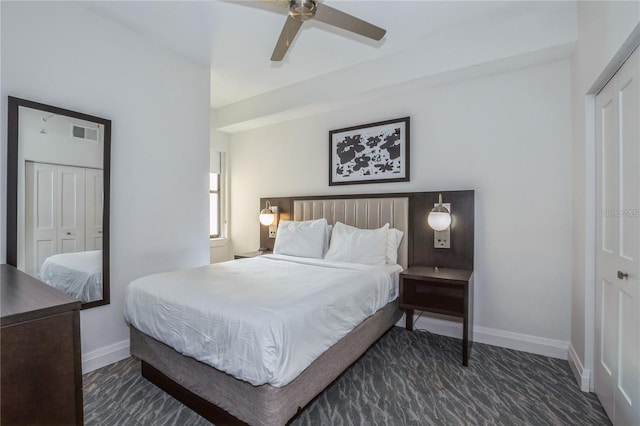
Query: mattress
point(264, 319)
point(77, 274)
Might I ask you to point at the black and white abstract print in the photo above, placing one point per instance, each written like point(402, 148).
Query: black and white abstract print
point(374, 153)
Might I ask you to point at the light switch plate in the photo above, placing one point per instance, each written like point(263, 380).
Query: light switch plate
point(274, 228)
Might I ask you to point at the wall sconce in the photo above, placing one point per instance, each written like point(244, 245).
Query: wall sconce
point(269, 217)
point(439, 220)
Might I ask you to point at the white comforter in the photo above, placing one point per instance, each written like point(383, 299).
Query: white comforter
point(264, 319)
point(77, 274)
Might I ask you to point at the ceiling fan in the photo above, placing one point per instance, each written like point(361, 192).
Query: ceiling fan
point(303, 10)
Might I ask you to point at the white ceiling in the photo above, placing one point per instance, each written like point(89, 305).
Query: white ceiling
point(236, 38)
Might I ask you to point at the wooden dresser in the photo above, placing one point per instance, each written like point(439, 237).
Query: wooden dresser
point(40, 359)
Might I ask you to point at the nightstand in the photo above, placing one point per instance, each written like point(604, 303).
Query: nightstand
point(249, 254)
point(446, 292)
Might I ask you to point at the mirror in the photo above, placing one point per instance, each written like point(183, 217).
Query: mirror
point(58, 198)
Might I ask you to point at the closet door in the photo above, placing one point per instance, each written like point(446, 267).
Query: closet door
point(617, 366)
point(94, 197)
point(71, 182)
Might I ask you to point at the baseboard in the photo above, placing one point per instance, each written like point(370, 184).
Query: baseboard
point(105, 356)
point(582, 375)
point(505, 339)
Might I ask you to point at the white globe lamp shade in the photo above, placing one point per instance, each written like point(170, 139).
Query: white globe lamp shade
point(267, 217)
point(439, 220)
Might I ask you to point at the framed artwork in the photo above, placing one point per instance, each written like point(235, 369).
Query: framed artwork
point(370, 153)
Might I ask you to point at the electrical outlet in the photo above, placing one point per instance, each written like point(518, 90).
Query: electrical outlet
point(272, 231)
point(442, 239)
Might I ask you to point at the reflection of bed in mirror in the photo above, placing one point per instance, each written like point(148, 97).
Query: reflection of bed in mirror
point(77, 274)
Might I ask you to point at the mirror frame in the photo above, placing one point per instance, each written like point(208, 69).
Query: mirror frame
point(13, 107)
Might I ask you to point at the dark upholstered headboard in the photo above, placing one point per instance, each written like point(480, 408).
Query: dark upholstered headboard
point(374, 210)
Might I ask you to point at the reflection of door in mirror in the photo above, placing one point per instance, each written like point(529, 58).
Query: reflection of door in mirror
point(59, 199)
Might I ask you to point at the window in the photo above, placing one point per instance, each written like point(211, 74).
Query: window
point(217, 195)
point(214, 205)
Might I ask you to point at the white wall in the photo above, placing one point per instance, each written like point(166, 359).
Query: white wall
point(603, 27)
point(61, 54)
point(56, 145)
point(507, 136)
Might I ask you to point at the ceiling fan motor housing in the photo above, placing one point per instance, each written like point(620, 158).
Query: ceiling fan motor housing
point(302, 10)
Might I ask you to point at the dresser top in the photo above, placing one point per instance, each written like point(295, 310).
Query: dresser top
point(24, 298)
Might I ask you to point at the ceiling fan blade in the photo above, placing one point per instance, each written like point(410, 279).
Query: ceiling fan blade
point(275, 3)
point(271, 5)
point(289, 31)
point(339, 19)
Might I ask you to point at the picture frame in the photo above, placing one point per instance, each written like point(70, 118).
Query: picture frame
point(370, 153)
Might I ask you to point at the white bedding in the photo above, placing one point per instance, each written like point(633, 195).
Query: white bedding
point(263, 319)
point(77, 274)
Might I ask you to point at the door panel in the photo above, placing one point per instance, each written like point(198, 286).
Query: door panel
point(94, 196)
point(45, 199)
point(44, 249)
point(609, 327)
point(71, 210)
point(609, 155)
point(629, 172)
point(626, 353)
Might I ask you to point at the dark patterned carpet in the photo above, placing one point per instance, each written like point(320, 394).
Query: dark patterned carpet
point(404, 379)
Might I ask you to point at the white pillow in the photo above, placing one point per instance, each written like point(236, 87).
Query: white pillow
point(327, 240)
point(394, 237)
point(355, 245)
point(305, 238)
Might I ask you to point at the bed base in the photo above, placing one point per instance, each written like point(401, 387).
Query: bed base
point(206, 409)
point(225, 400)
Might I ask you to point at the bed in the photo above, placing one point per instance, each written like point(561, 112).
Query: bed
point(77, 274)
point(267, 384)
